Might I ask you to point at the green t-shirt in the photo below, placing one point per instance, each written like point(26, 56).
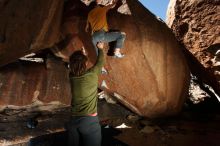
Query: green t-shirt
point(84, 89)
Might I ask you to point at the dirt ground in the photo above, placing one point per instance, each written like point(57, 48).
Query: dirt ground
point(196, 125)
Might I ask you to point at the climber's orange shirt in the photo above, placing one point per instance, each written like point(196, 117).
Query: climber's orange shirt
point(97, 18)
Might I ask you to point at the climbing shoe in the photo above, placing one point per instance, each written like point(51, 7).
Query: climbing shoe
point(104, 71)
point(118, 55)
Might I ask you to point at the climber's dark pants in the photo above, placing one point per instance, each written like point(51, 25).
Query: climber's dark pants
point(84, 130)
point(103, 36)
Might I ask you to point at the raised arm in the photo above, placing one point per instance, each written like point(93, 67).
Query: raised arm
point(100, 59)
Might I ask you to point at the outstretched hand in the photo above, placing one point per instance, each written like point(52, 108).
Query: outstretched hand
point(100, 45)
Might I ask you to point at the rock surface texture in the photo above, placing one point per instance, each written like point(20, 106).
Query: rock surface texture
point(153, 78)
point(196, 23)
point(28, 26)
point(124, 9)
point(28, 83)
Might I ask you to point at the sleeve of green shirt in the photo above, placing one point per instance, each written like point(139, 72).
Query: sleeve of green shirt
point(99, 62)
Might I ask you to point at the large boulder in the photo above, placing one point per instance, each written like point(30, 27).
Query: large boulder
point(196, 25)
point(25, 83)
point(28, 26)
point(153, 78)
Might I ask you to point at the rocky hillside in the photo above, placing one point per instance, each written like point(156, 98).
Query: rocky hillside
point(196, 24)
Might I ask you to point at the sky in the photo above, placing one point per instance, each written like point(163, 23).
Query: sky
point(158, 7)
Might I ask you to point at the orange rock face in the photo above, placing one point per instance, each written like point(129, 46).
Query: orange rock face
point(28, 26)
point(196, 26)
point(153, 78)
point(24, 83)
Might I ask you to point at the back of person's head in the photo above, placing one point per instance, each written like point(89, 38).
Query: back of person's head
point(78, 63)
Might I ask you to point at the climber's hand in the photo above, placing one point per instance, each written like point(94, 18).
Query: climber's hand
point(100, 45)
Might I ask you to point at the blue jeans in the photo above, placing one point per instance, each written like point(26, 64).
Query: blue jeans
point(103, 36)
point(84, 130)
